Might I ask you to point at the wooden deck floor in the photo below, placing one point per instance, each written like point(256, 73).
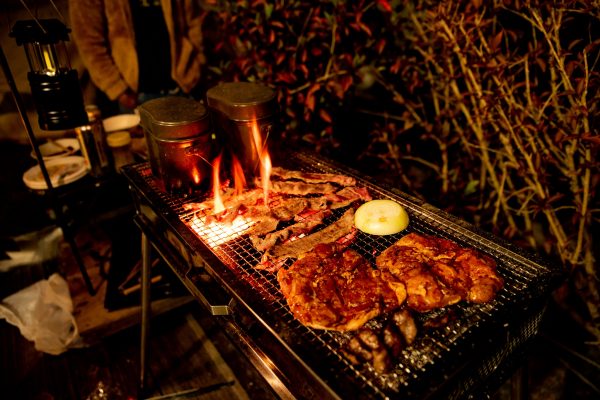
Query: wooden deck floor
point(188, 354)
point(183, 357)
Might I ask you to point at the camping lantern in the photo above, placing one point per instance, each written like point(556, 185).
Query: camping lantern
point(54, 85)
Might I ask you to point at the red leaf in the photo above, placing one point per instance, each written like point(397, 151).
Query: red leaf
point(280, 58)
point(347, 58)
point(365, 28)
point(310, 102)
point(335, 88)
point(345, 82)
point(385, 5)
point(300, 98)
point(310, 97)
point(304, 70)
point(396, 67)
point(325, 116)
point(379, 46)
point(591, 138)
point(285, 77)
point(495, 42)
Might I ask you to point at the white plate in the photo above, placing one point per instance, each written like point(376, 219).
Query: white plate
point(62, 171)
point(58, 148)
point(121, 122)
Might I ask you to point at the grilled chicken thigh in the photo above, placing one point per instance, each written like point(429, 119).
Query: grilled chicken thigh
point(438, 272)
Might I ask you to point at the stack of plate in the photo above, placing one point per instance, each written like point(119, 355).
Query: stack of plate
point(63, 167)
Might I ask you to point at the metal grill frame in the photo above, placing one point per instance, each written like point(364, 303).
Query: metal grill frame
point(439, 363)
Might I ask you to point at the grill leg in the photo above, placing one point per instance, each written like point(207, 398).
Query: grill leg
point(518, 384)
point(145, 314)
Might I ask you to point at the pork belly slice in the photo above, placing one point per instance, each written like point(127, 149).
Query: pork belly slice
point(302, 188)
point(311, 177)
point(347, 196)
point(290, 208)
point(335, 288)
point(231, 201)
point(273, 258)
point(305, 225)
point(267, 219)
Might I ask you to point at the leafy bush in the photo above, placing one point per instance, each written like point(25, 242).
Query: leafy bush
point(486, 109)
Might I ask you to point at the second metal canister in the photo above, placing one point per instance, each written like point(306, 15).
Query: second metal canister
point(240, 111)
point(180, 143)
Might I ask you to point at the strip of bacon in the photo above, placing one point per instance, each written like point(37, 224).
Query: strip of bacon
point(274, 257)
point(347, 196)
point(287, 209)
point(302, 188)
point(305, 226)
point(313, 177)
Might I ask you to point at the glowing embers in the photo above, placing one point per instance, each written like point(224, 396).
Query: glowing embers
point(216, 233)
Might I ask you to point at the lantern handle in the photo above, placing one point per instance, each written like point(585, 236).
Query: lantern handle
point(58, 12)
point(33, 16)
point(62, 18)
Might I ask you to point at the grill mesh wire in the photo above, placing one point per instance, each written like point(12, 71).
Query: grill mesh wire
point(429, 350)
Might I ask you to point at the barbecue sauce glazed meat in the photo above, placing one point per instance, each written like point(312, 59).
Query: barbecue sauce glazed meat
point(334, 288)
point(438, 272)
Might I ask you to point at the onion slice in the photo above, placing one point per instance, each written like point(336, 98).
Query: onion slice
point(381, 217)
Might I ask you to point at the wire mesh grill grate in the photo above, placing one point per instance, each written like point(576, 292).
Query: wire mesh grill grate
point(236, 252)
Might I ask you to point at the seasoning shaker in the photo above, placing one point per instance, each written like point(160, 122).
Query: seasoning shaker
point(120, 145)
point(92, 140)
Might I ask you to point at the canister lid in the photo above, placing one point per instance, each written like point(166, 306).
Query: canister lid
point(174, 118)
point(242, 101)
point(118, 139)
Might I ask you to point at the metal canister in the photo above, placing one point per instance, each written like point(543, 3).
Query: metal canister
point(240, 112)
point(180, 143)
point(93, 143)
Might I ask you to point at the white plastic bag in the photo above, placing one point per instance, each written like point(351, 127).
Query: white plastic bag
point(43, 312)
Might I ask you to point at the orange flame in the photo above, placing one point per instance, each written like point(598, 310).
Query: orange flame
point(196, 175)
point(239, 178)
point(264, 159)
point(265, 174)
point(218, 202)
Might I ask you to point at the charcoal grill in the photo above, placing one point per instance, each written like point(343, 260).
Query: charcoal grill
point(469, 356)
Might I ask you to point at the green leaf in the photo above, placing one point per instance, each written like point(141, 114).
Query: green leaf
point(268, 10)
point(471, 187)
